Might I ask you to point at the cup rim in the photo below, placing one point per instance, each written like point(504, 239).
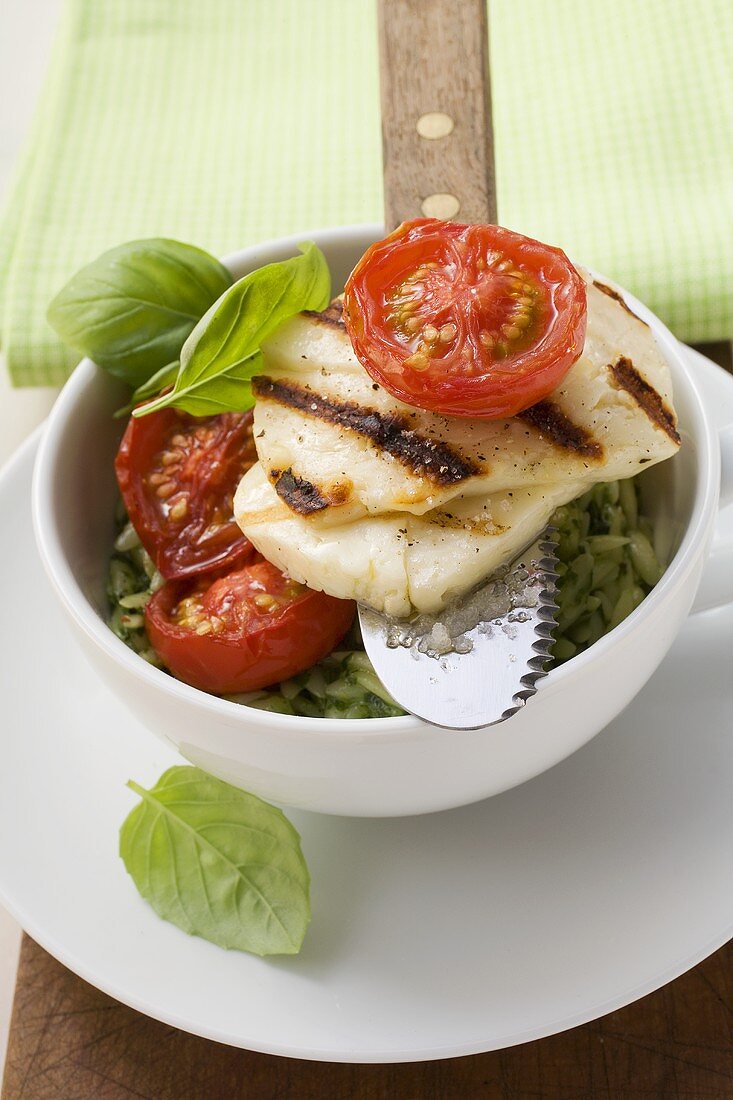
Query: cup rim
point(78, 606)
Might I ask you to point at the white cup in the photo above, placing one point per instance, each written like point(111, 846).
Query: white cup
point(385, 766)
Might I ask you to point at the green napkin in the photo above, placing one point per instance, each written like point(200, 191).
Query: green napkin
point(224, 122)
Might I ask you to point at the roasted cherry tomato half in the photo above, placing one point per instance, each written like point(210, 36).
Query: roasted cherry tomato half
point(244, 631)
point(466, 320)
point(178, 474)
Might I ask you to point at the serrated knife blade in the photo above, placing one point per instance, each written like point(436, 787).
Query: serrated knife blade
point(508, 653)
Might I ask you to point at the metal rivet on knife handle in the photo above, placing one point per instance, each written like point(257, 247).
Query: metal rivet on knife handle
point(441, 205)
point(434, 125)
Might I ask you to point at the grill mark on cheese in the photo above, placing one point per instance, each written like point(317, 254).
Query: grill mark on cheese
point(559, 429)
point(390, 432)
point(611, 293)
point(333, 314)
point(304, 497)
point(626, 377)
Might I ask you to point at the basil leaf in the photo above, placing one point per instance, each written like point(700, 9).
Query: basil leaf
point(220, 357)
point(161, 380)
point(131, 309)
point(218, 862)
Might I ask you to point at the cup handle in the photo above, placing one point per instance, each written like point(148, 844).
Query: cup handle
point(716, 586)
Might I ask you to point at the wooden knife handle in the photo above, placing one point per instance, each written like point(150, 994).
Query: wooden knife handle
point(438, 142)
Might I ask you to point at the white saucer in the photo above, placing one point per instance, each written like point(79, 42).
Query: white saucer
point(437, 936)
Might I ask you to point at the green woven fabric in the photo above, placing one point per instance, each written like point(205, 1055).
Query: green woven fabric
point(224, 122)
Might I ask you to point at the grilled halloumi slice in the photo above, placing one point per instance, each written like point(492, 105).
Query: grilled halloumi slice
point(398, 562)
point(367, 498)
point(337, 446)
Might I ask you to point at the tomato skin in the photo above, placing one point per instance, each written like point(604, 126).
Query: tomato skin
point(202, 471)
point(254, 648)
point(447, 279)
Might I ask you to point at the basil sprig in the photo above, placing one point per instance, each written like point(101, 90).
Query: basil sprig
point(218, 863)
point(222, 354)
point(132, 308)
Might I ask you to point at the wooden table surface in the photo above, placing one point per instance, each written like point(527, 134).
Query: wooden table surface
point(68, 1041)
